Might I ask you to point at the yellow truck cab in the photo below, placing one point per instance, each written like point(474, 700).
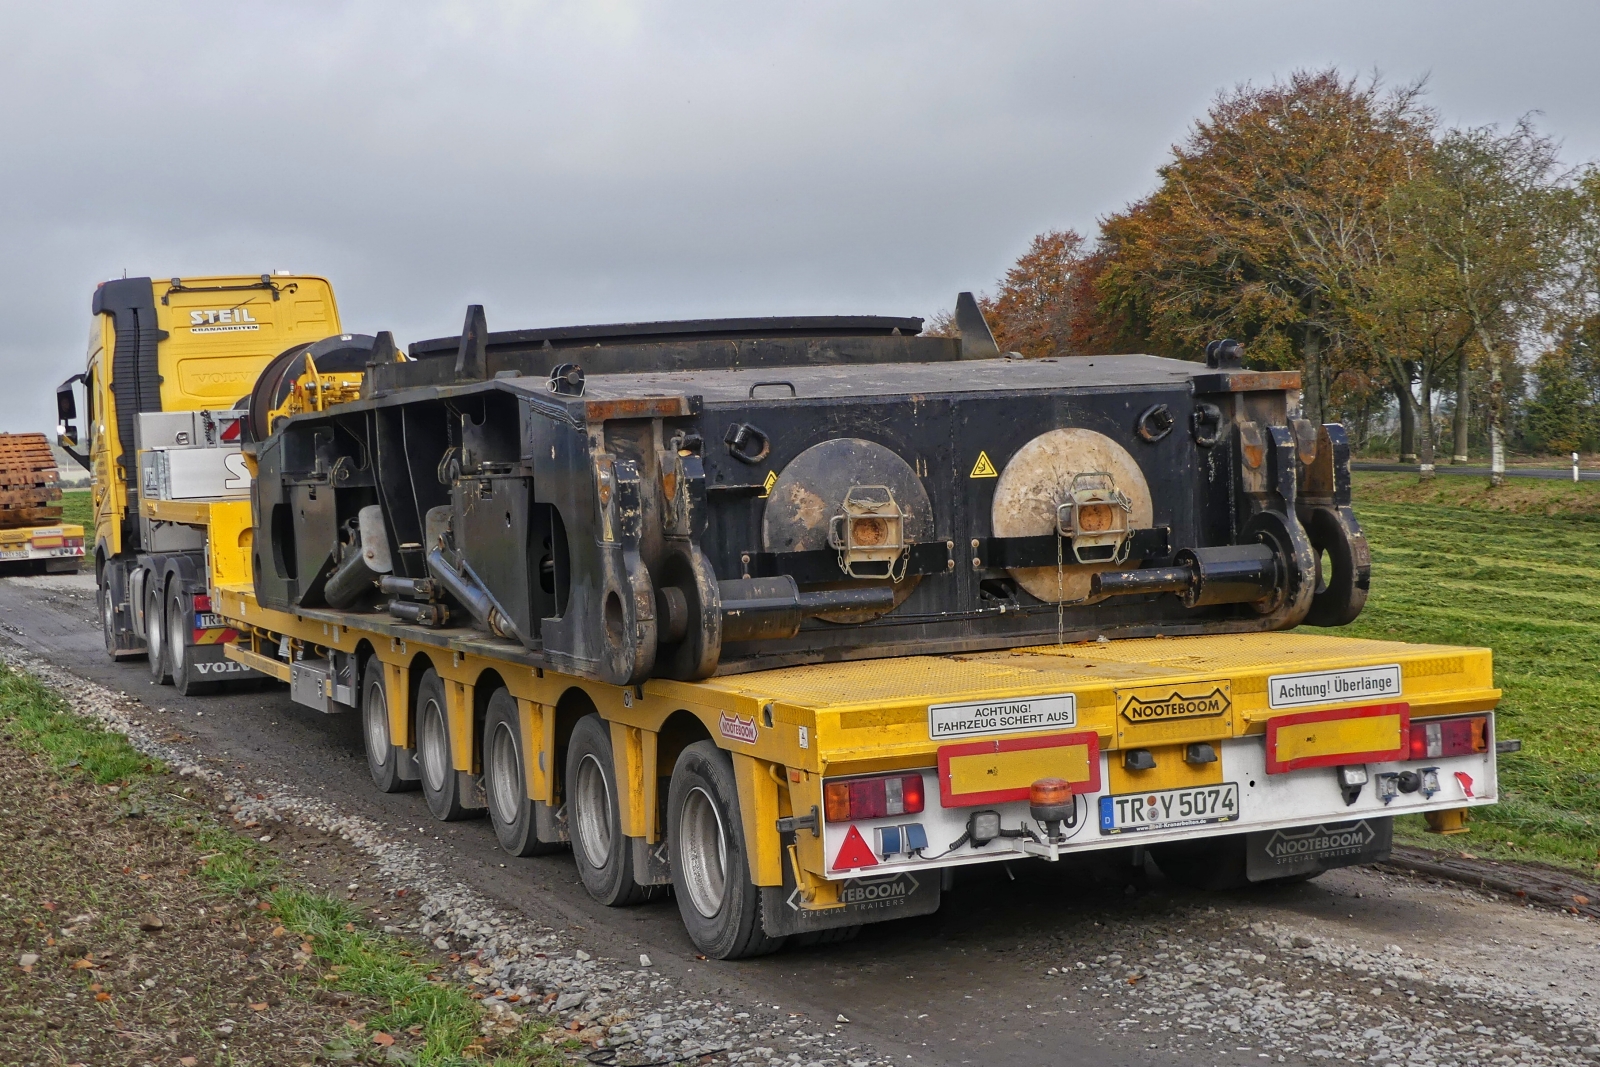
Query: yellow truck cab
point(169, 364)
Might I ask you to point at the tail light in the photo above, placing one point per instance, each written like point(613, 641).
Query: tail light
point(1436, 738)
point(873, 798)
point(202, 602)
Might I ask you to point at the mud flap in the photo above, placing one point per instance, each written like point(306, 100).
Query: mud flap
point(652, 864)
point(211, 664)
point(1304, 850)
point(470, 788)
point(550, 823)
point(869, 899)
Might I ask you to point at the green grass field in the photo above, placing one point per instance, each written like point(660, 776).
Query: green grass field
point(78, 507)
point(1517, 570)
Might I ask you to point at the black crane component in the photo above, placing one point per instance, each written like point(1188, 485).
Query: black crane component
point(681, 499)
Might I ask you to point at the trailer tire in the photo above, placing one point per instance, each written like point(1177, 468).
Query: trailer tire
point(441, 786)
point(720, 905)
point(603, 855)
point(155, 634)
point(180, 624)
point(504, 781)
point(383, 758)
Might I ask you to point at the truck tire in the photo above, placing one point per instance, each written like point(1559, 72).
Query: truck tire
point(180, 625)
point(441, 786)
point(603, 855)
point(720, 905)
point(155, 635)
point(108, 616)
point(504, 782)
point(383, 759)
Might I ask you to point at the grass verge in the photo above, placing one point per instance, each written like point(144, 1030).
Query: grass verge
point(1514, 569)
point(136, 926)
point(77, 505)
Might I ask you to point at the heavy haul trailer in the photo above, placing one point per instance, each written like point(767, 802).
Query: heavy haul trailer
point(170, 363)
point(797, 615)
point(32, 534)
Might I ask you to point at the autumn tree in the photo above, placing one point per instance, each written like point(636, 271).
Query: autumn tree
point(1496, 214)
point(1256, 216)
point(1046, 304)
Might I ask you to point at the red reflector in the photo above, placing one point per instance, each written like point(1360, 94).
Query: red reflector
point(855, 852)
point(202, 602)
point(1437, 738)
point(873, 798)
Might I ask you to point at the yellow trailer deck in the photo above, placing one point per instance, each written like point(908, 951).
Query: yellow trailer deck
point(790, 730)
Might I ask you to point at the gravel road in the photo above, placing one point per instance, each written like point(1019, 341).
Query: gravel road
point(1025, 964)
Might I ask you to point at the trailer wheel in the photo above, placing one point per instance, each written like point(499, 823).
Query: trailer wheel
point(440, 783)
point(155, 636)
point(720, 905)
point(180, 624)
point(510, 810)
point(605, 861)
point(383, 759)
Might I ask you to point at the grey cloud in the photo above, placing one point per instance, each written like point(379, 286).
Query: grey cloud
point(599, 162)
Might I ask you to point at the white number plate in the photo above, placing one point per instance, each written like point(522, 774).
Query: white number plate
point(1163, 809)
point(209, 621)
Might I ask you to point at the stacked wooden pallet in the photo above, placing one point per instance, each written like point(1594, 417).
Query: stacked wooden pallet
point(28, 481)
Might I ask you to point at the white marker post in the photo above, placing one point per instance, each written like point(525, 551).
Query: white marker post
point(1574, 466)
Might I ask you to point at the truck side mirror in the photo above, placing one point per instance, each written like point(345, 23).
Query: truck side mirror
point(66, 413)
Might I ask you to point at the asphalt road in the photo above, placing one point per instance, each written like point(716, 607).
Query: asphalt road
point(971, 984)
point(1542, 473)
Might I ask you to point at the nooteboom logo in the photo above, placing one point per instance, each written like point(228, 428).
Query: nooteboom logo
point(1320, 841)
point(886, 891)
point(879, 891)
point(1177, 706)
point(736, 729)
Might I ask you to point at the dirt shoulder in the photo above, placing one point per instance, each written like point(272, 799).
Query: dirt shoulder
point(135, 928)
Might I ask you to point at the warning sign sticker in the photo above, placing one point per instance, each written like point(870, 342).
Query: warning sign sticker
point(984, 468)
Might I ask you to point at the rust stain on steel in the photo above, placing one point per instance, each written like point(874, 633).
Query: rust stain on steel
point(637, 407)
point(1262, 381)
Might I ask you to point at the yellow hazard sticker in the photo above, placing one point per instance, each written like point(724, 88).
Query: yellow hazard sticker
point(766, 486)
point(983, 468)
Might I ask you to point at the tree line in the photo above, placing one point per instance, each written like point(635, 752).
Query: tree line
point(1334, 225)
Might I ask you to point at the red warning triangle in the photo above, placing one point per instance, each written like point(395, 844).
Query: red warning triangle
point(854, 852)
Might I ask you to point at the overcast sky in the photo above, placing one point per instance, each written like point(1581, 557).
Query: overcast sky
point(601, 162)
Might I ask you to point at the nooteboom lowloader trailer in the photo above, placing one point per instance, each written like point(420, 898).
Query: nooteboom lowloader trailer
point(799, 615)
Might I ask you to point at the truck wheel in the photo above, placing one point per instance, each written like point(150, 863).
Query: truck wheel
point(721, 907)
point(605, 861)
point(108, 616)
point(180, 625)
point(383, 759)
point(155, 637)
point(440, 783)
point(510, 810)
